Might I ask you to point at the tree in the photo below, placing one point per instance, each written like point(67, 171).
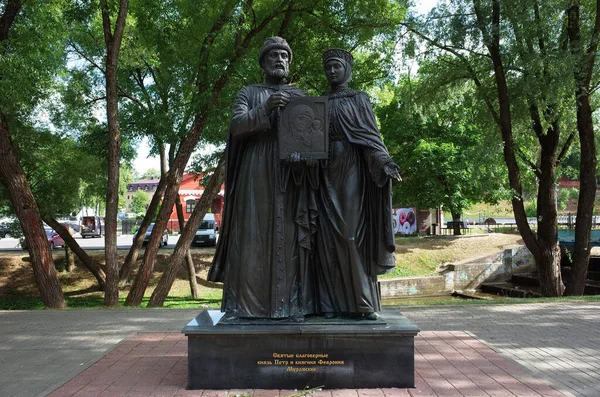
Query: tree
point(139, 202)
point(56, 170)
point(29, 61)
point(177, 80)
point(112, 40)
point(151, 173)
point(181, 250)
point(524, 47)
point(211, 79)
point(584, 47)
point(440, 141)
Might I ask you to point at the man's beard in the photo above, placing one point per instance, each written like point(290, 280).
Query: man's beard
point(277, 73)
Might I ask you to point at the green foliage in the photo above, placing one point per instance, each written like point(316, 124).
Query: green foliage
point(139, 202)
point(563, 197)
point(184, 60)
point(168, 77)
point(151, 173)
point(125, 177)
point(57, 169)
point(442, 145)
point(531, 209)
point(31, 57)
point(574, 193)
point(536, 59)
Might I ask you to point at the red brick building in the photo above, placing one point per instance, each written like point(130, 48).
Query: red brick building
point(190, 192)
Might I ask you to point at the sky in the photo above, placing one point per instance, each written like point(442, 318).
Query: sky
point(142, 162)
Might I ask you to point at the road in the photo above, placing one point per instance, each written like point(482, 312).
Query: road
point(123, 242)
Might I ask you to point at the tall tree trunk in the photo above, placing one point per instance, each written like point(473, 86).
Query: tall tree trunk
point(546, 263)
point(27, 211)
point(456, 224)
point(584, 66)
point(173, 179)
point(90, 263)
point(142, 279)
point(69, 259)
point(188, 254)
point(168, 277)
point(192, 275)
point(138, 239)
point(113, 46)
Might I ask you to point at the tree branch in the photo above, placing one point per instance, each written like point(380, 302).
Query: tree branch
point(466, 63)
point(593, 47)
point(108, 37)
point(85, 57)
point(536, 170)
point(12, 8)
point(286, 20)
point(565, 148)
point(94, 100)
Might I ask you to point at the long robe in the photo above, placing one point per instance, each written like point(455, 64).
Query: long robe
point(355, 241)
point(264, 249)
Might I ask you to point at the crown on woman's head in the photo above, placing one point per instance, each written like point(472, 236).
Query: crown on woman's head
point(337, 53)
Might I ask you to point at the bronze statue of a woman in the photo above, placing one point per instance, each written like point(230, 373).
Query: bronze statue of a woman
point(355, 238)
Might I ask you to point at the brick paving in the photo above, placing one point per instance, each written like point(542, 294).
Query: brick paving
point(446, 364)
point(542, 348)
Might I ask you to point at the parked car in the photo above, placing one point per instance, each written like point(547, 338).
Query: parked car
point(92, 226)
point(164, 239)
point(53, 239)
point(5, 232)
point(207, 232)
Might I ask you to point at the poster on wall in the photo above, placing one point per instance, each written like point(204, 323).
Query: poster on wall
point(404, 221)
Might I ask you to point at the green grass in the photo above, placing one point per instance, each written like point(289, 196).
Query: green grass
point(32, 303)
point(415, 256)
point(422, 256)
point(96, 302)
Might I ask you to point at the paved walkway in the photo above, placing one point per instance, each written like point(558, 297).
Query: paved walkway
point(558, 343)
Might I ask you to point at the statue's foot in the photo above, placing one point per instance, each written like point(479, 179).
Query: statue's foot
point(297, 318)
point(230, 316)
point(329, 315)
point(371, 316)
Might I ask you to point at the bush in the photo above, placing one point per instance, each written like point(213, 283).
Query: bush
point(563, 197)
point(531, 209)
point(574, 193)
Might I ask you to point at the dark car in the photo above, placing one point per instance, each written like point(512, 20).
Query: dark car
point(53, 239)
point(164, 239)
point(5, 232)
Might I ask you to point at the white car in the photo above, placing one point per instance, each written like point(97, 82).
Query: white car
point(207, 232)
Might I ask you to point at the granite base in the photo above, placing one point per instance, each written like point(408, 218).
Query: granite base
point(332, 354)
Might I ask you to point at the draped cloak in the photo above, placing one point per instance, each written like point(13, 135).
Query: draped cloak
point(263, 251)
point(355, 240)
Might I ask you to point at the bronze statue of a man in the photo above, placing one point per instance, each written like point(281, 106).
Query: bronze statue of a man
point(355, 240)
point(262, 253)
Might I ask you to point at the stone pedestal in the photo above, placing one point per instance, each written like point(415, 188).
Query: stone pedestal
point(271, 354)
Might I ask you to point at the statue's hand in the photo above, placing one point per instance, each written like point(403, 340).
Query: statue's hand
point(310, 161)
point(294, 158)
point(278, 99)
point(392, 170)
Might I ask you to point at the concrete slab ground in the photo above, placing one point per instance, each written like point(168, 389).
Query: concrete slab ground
point(556, 343)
